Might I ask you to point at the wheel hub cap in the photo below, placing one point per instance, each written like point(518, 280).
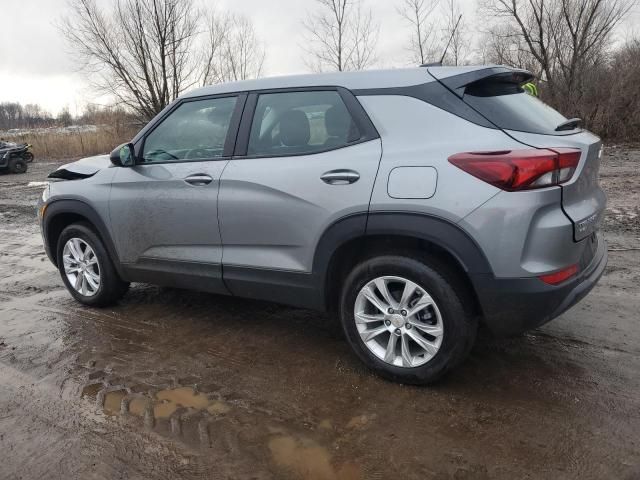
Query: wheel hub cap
point(398, 321)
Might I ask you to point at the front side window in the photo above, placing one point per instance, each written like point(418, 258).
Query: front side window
point(295, 123)
point(196, 130)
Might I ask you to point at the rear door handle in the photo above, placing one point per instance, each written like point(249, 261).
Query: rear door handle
point(199, 179)
point(340, 177)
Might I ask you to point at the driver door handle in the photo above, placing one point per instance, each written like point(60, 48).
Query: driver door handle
point(340, 177)
point(198, 179)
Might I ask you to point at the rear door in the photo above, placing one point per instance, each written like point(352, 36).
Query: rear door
point(164, 209)
point(304, 159)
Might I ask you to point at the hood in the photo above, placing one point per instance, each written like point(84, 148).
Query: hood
point(83, 168)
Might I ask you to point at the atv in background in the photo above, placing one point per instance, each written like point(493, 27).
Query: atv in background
point(15, 157)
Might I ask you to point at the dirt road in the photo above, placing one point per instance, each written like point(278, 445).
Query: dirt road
point(173, 384)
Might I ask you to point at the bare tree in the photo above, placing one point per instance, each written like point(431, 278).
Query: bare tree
point(141, 52)
point(423, 40)
point(582, 34)
point(340, 36)
point(501, 44)
point(232, 50)
point(145, 53)
point(561, 39)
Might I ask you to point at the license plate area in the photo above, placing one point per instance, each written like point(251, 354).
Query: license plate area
point(588, 226)
point(590, 250)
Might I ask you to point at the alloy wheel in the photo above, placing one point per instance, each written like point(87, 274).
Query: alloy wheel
point(81, 267)
point(398, 321)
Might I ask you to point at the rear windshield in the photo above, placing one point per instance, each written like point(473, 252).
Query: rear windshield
point(509, 107)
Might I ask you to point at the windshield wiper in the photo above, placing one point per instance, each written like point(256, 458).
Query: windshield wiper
point(569, 124)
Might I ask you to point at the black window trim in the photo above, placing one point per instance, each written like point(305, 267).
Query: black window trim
point(230, 140)
point(365, 126)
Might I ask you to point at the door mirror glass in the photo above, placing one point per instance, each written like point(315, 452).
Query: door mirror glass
point(124, 155)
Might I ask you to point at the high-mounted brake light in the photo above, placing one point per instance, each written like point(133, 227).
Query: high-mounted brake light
point(514, 170)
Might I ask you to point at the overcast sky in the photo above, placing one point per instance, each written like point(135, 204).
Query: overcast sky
point(37, 66)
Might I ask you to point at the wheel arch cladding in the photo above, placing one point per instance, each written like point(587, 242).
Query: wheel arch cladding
point(62, 213)
point(351, 239)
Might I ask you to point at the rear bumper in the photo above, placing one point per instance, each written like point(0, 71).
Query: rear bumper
point(514, 305)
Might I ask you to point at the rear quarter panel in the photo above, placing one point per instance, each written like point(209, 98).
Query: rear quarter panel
point(417, 134)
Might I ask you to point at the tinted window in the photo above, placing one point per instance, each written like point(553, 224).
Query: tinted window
point(194, 131)
point(509, 107)
point(300, 122)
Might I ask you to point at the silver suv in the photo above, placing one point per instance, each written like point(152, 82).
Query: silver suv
point(416, 204)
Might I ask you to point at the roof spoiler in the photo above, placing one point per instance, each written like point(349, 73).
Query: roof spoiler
point(458, 83)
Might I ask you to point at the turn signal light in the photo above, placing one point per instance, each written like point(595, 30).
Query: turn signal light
point(561, 276)
point(515, 170)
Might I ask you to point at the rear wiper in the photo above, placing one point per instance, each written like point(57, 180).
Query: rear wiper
point(569, 124)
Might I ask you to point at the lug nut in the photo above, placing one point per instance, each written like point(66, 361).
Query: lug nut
point(404, 313)
point(387, 323)
point(398, 332)
point(390, 311)
point(407, 326)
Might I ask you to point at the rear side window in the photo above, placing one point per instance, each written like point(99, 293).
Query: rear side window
point(509, 107)
point(295, 123)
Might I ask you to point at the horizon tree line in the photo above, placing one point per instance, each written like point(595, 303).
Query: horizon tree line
point(145, 53)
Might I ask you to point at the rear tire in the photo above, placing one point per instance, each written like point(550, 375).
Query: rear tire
point(407, 359)
point(17, 165)
point(81, 253)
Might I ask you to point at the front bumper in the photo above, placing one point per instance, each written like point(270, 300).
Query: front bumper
point(511, 306)
point(40, 212)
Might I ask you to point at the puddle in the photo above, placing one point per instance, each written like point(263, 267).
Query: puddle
point(164, 409)
point(360, 421)
point(164, 403)
point(218, 408)
point(91, 391)
point(112, 401)
point(138, 405)
point(309, 460)
point(185, 397)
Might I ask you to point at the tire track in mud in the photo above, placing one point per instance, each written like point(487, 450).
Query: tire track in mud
point(77, 428)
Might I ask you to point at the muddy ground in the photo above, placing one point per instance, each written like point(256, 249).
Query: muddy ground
point(173, 384)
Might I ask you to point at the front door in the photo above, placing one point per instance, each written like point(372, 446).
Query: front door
point(164, 209)
point(308, 159)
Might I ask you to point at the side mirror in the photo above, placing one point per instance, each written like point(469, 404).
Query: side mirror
point(124, 155)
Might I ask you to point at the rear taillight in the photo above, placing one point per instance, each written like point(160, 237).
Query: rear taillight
point(561, 276)
point(514, 170)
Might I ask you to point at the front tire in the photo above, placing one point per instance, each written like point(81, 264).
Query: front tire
point(86, 268)
point(405, 319)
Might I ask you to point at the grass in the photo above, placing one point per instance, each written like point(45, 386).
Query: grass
point(56, 145)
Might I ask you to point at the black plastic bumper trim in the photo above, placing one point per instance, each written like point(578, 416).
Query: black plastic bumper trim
point(514, 305)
